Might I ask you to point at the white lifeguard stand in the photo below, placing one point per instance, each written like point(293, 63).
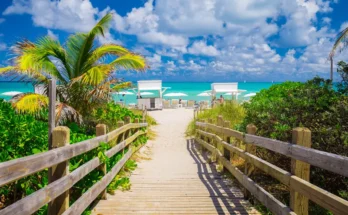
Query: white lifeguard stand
point(154, 102)
point(231, 88)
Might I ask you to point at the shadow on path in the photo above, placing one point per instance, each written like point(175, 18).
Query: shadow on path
point(216, 186)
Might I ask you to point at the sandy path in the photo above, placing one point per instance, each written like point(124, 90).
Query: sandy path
point(176, 180)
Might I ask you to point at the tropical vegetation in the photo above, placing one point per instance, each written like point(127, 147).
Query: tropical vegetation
point(85, 76)
point(84, 71)
point(24, 134)
point(316, 104)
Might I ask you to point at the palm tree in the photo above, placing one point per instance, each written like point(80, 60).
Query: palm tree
point(340, 44)
point(84, 71)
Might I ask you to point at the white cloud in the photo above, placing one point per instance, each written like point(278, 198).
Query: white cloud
point(3, 46)
point(68, 15)
point(344, 26)
point(201, 48)
point(154, 62)
point(159, 38)
point(301, 17)
point(52, 35)
point(239, 31)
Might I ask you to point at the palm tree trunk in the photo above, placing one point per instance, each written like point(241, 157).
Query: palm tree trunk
point(331, 74)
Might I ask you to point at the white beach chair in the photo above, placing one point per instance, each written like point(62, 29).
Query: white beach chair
point(175, 103)
point(190, 104)
point(166, 104)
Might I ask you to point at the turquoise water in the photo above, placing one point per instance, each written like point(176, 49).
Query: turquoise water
point(191, 89)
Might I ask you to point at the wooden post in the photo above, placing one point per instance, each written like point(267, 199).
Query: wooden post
point(249, 168)
point(100, 130)
point(121, 136)
point(202, 148)
point(219, 122)
point(212, 142)
point(52, 88)
point(135, 130)
point(60, 138)
point(298, 202)
point(227, 155)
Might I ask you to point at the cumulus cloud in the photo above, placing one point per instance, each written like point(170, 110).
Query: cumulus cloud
point(3, 46)
point(201, 48)
point(69, 15)
point(239, 37)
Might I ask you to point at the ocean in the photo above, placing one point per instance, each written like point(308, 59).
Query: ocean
point(191, 89)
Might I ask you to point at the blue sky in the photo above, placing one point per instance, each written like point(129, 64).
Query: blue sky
point(196, 40)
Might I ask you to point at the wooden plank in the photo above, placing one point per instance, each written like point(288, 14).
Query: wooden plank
point(88, 197)
point(18, 168)
point(21, 167)
point(262, 195)
point(322, 197)
point(270, 169)
point(251, 149)
point(111, 135)
point(299, 202)
point(35, 201)
point(60, 138)
point(325, 160)
point(274, 171)
point(100, 130)
point(226, 131)
point(30, 204)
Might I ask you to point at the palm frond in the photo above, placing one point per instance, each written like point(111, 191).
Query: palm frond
point(108, 49)
point(96, 75)
point(340, 43)
point(29, 102)
point(80, 46)
point(102, 25)
point(122, 86)
point(47, 47)
point(66, 113)
point(7, 69)
point(130, 62)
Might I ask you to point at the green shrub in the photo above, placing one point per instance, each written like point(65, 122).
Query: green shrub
point(23, 135)
point(230, 111)
point(315, 105)
point(111, 113)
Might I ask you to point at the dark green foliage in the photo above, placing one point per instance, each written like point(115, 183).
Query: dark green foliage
point(22, 135)
point(315, 105)
point(111, 113)
point(343, 72)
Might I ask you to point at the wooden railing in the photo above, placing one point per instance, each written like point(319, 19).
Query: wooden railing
point(56, 193)
point(217, 139)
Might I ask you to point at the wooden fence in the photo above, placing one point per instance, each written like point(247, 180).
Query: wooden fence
point(56, 193)
point(217, 139)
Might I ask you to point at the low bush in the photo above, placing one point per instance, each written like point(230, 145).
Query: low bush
point(230, 111)
point(23, 135)
point(315, 105)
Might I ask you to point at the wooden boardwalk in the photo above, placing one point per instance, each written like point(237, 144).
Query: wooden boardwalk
point(177, 179)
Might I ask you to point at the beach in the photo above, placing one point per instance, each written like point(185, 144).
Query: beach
point(191, 89)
